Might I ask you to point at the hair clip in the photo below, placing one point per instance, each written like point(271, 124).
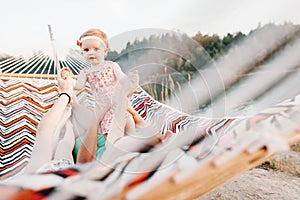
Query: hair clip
point(78, 43)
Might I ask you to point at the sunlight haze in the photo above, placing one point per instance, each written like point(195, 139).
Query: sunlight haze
point(24, 23)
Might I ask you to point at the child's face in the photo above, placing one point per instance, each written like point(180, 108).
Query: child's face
point(93, 51)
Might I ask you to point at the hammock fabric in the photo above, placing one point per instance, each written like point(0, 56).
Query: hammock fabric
point(211, 150)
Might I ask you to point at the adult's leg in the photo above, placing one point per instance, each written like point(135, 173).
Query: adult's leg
point(119, 120)
point(130, 124)
point(66, 144)
point(85, 125)
point(82, 119)
point(120, 116)
point(88, 147)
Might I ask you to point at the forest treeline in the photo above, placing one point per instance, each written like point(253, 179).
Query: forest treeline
point(168, 60)
point(178, 51)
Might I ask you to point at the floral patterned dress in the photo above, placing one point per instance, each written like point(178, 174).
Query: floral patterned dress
point(102, 84)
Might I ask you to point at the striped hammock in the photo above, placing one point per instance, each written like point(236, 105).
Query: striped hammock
point(207, 152)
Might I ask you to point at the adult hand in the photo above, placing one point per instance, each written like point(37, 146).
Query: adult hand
point(65, 84)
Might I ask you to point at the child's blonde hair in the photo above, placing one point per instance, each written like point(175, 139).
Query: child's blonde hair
point(98, 33)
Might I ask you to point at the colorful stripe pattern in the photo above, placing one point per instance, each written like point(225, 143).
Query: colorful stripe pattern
point(23, 103)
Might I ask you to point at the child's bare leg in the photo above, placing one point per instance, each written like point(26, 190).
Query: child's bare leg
point(87, 150)
point(85, 123)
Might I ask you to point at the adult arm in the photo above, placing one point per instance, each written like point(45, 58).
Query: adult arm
point(48, 129)
point(53, 117)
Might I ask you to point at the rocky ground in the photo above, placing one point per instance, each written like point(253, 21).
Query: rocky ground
point(278, 178)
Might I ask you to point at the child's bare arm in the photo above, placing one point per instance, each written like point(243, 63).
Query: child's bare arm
point(81, 81)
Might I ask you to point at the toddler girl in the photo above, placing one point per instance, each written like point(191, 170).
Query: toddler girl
point(102, 75)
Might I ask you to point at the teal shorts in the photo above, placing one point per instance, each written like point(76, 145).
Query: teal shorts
point(100, 146)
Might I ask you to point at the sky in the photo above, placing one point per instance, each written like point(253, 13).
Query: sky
point(24, 26)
